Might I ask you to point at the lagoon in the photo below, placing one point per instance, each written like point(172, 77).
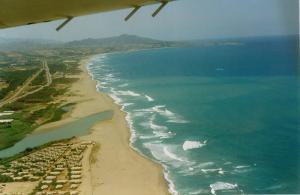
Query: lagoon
point(77, 128)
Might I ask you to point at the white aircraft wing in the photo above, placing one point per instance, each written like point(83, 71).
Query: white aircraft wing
point(25, 12)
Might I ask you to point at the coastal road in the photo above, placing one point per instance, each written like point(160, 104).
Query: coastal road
point(48, 75)
point(25, 85)
point(16, 96)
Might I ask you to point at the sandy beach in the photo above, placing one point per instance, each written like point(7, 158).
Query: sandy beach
point(113, 167)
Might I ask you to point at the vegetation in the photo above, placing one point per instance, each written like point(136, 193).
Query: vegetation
point(40, 79)
point(10, 134)
point(64, 80)
point(45, 95)
point(26, 120)
point(57, 114)
point(5, 179)
point(14, 106)
point(14, 80)
point(24, 123)
point(93, 156)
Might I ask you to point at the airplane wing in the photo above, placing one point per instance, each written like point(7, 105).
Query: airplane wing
point(25, 12)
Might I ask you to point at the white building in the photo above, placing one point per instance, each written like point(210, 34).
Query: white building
point(6, 121)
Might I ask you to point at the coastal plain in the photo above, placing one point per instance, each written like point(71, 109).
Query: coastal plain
point(111, 166)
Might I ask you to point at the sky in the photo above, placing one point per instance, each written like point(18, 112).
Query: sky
point(179, 20)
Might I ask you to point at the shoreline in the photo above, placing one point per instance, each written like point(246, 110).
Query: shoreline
point(168, 182)
point(119, 168)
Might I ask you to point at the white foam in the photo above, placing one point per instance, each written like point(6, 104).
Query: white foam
point(150, 124)
point(150, 99)
point(169, 113)
point(163, 135)
point(221, 186)
point(100, 58)
point(159, 131)
point(188, 145)
point(188, 171)
point(171, 155)
point(164, 153)
point(274, 187)
point(242, 169)
point(172, 117)
point(103, 83)
point(133, 134)
point(204, 165)
point(157, 127)
point(127, 93)
point(151, 110)
point(127, 104)
point(138, 114)
point(123, 85)
point(228, 163)
point(115, 98)
point(242, 166)
point(110, 78)
point(110, 75)
point(147, 137)
point(100, 85)
point(219, 170)
point(163, 111)
point(171, 185)
point(195, 169)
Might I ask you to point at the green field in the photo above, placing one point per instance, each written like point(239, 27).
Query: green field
point(36, 109)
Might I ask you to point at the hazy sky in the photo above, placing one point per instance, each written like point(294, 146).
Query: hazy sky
point(183, 19)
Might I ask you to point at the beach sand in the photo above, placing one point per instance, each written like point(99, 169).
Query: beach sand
point(116, 168)
point(19, 188)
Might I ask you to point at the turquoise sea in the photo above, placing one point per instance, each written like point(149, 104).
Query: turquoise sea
point(220, 119)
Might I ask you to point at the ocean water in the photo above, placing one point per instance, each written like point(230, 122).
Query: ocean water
point(220, 119)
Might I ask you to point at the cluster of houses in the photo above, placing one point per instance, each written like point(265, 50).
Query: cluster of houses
point(57, 168)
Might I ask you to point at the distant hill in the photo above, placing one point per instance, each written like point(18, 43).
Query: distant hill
point(119, 43)
point(122, 39)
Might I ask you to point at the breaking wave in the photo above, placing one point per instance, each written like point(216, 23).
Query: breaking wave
point(127, 93)
point(188, 145)
point(163, 111)
point(221, 186)
point(150, 99)
point(171, 155)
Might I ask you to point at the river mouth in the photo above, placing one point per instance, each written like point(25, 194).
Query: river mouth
point(79, 127)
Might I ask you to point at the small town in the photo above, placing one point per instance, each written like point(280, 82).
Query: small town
point(56, 169)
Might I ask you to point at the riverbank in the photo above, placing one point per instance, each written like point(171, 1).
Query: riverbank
point(116, 168)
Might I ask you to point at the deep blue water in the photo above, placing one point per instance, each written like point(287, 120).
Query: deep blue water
point(221, 119)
